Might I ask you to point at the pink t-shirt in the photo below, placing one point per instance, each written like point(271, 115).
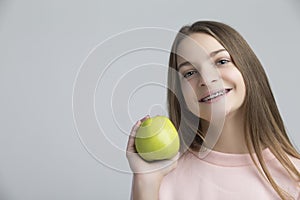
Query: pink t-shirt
point(225, 176)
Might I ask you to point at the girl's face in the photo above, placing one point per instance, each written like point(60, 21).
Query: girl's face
point(208, 77)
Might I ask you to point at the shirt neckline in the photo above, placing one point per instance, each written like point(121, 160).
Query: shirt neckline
point(232, 159)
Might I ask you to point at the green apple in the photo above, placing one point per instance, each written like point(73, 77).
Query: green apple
point(157, 139)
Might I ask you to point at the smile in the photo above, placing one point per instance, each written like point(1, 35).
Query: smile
point(214, 96)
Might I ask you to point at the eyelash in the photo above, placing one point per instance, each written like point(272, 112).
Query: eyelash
point(219, 62)
point(188, 74)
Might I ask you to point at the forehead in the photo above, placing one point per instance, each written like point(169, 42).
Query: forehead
point(197, 46)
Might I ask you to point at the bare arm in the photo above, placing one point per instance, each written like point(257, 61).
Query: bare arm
point(144, 188)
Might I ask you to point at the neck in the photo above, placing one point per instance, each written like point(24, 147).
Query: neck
point(231, 139)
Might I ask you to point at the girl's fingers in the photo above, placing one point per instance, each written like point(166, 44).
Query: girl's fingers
point(146, 117)
point(130, 143)
point(137, 125)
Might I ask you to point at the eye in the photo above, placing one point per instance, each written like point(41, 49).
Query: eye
point(189, 74)
point(222, 61)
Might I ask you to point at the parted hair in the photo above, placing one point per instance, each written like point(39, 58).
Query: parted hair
point(263, 123)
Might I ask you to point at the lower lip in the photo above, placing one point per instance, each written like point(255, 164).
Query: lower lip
point(215, 99)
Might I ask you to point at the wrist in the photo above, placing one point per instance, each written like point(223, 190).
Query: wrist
point(147, 179)
point(146, 186)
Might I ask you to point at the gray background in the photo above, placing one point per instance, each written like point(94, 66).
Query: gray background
point(42, 46)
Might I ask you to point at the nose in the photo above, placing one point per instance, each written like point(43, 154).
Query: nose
point(208, 76)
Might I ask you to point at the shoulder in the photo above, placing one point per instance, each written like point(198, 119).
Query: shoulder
point(185, 161)
point(295, 161)
point(183, 182)
point(189, 169)
point(282, 176)
point(183, 171)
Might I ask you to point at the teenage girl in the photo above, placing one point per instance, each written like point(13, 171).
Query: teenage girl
point(252, 157)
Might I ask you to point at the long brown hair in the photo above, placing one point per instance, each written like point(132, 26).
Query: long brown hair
point(266, 127)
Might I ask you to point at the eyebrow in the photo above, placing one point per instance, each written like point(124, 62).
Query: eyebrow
point(212, 54)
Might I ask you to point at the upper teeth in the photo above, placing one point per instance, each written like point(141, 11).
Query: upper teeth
point(214, 95)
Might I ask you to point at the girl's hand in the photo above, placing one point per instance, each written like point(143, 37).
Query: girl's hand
point(147, 175)
point(140, 166)
point(157, 169)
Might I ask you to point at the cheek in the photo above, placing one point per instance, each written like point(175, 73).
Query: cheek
point(188, 90)
point(235, 77)
point(240, 83)
point(190, 99)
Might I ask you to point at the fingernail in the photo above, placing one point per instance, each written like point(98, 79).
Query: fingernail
point(147, 116)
